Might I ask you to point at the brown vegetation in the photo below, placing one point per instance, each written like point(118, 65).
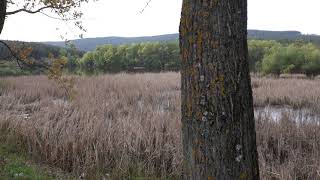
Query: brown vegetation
point(297, 93)
point(129, 125)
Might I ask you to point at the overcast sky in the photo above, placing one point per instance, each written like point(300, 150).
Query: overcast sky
point(123, 18)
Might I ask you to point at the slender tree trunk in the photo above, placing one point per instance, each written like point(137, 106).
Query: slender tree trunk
point(3, 9)
point(219, 139)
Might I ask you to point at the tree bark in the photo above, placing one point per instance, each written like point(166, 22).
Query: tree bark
point(218, 127)
point(3, 9)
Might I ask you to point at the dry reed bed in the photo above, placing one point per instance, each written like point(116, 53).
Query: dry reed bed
point(128, 125)
point(121, 123)
point(297, 93)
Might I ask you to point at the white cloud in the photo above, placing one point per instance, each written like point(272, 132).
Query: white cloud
point(122, 18)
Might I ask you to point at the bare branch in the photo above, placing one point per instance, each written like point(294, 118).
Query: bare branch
point(58, 18)
point(21, 61)
point(29, 11)
point(145, 7)
point(10, 2)
point(12, 53)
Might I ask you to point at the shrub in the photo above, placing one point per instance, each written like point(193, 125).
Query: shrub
point(292, 59)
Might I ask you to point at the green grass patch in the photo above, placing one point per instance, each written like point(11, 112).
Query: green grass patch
point(15, 164)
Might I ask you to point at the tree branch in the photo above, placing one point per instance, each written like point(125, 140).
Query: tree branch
point(21, 61)
point(145, 7)
point(58, 18)
point(10, 2)
point(12, 53)
point(29, 11)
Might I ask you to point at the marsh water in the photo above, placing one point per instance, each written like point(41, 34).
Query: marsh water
point(277, 112)
point(274, 113)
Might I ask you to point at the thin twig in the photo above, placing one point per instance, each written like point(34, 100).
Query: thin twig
point(28, 11)
point(145, 7)
point(58, 18)
point(20, 61)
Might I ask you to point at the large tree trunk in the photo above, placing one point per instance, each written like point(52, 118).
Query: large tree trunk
point(3, 9)
point(219, 139)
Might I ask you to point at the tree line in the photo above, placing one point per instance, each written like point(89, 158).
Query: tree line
point(151, 57)
point(265, 56)
point(272, 57)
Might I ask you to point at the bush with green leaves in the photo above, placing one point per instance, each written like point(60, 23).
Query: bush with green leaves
point(265, 56)
point(153, 57)
point(294, 58)
point(257, 50)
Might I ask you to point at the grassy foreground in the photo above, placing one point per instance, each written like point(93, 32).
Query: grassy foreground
point(13, 165)
point(16, 164)
point(126, 126)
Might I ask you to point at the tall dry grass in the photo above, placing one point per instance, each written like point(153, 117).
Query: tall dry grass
point(129, 125)
point(297, 93)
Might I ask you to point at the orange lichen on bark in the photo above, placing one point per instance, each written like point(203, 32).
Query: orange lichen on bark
point(243, 176)
point(185, 54)
point(185, 19)
point(185, 7)
point(210, 66)
point(214, 44)
point(214, 3)
point(193, 72)
point(206, 3)
point(196, 142)
point(218, 82)
point(205, 14)
point(199, 116)
point(189, 109)
point(221, 78)
point(210, 178)
point(185, 25)
point(196, 154)
point(221, 82)
point(190, 40)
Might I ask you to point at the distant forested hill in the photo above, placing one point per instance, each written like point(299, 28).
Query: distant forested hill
point(89, 44)
point(39, 50)
point(283, 36)
point(273, 35)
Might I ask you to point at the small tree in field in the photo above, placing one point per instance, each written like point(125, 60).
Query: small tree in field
point(64, 10)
